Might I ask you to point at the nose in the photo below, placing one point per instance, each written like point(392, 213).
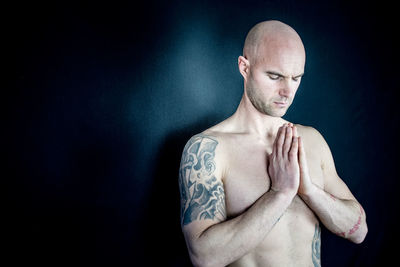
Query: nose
point(287, 88)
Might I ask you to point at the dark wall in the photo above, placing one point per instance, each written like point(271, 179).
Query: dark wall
point(100, 100)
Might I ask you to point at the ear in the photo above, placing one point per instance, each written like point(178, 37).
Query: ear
point(244, 66)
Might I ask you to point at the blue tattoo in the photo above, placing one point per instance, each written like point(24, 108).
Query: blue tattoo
point(316, 246)
point(202, 195)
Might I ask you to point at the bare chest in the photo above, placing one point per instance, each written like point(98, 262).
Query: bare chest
point(246, 178)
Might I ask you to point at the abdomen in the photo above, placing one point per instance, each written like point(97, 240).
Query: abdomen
point(289, 243)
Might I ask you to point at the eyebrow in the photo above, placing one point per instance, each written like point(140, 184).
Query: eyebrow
point(283, 76)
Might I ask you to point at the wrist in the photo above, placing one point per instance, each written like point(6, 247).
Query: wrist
point(283, 195)
point(308, 192)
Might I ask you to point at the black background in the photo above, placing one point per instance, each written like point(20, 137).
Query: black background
point(101, 98)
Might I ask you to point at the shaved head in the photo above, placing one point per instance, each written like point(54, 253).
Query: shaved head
point(271, 35)
point(272, 66)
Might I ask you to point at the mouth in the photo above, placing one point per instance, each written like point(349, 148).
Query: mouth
point(280, 104)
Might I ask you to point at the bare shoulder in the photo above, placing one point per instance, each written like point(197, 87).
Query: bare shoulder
point(210, 135)
point(210, 138)
point(209, 146)
point(315, 144)
point(201, 146)
point(220, 133)
point(214, 142)
point(310, 135)
point(308, 131)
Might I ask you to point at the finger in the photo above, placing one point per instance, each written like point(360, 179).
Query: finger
point(288, 141)
point(294, 149)
point(276, 137)
point(280, 139)
point(295, 134)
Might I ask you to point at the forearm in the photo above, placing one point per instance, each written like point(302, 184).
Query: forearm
point(228, 241)
point(343, 217)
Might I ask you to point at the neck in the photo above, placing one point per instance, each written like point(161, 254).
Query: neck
point(251, 121)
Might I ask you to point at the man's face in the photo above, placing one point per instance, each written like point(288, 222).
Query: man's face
point(274, 78)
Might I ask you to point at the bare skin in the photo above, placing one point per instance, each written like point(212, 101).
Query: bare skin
point(255, 188)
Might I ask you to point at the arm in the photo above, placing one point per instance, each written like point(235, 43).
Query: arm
point(334, 204)
point(213, 240)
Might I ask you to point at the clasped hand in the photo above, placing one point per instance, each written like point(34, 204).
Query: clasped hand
point(287, 164)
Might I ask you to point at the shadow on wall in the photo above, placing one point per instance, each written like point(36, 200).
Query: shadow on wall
point(162, 238)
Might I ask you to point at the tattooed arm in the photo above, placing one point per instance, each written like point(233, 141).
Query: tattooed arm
point(334, 204)
point(213, 240)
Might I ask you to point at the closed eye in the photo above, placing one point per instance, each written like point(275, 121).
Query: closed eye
point(277, 76)
point(298, 77)
point(274, 76)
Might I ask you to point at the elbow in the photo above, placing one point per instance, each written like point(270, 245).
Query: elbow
point(198, 262)
point(360, 237)
point(203, 260)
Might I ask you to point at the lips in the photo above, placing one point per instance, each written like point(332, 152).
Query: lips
point(281, 104)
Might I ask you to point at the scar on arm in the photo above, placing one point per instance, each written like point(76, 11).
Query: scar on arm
point(355, 227)
point(332, 196)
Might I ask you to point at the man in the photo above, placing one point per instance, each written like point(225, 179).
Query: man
point(255, 188)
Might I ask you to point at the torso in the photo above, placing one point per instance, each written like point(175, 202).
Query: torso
point(245, 178)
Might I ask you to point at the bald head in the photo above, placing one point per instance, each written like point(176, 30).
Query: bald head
point(272, 66)
point(270, 37)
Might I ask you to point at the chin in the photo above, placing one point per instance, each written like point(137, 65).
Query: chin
point(276, 113)
point(271, 111)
